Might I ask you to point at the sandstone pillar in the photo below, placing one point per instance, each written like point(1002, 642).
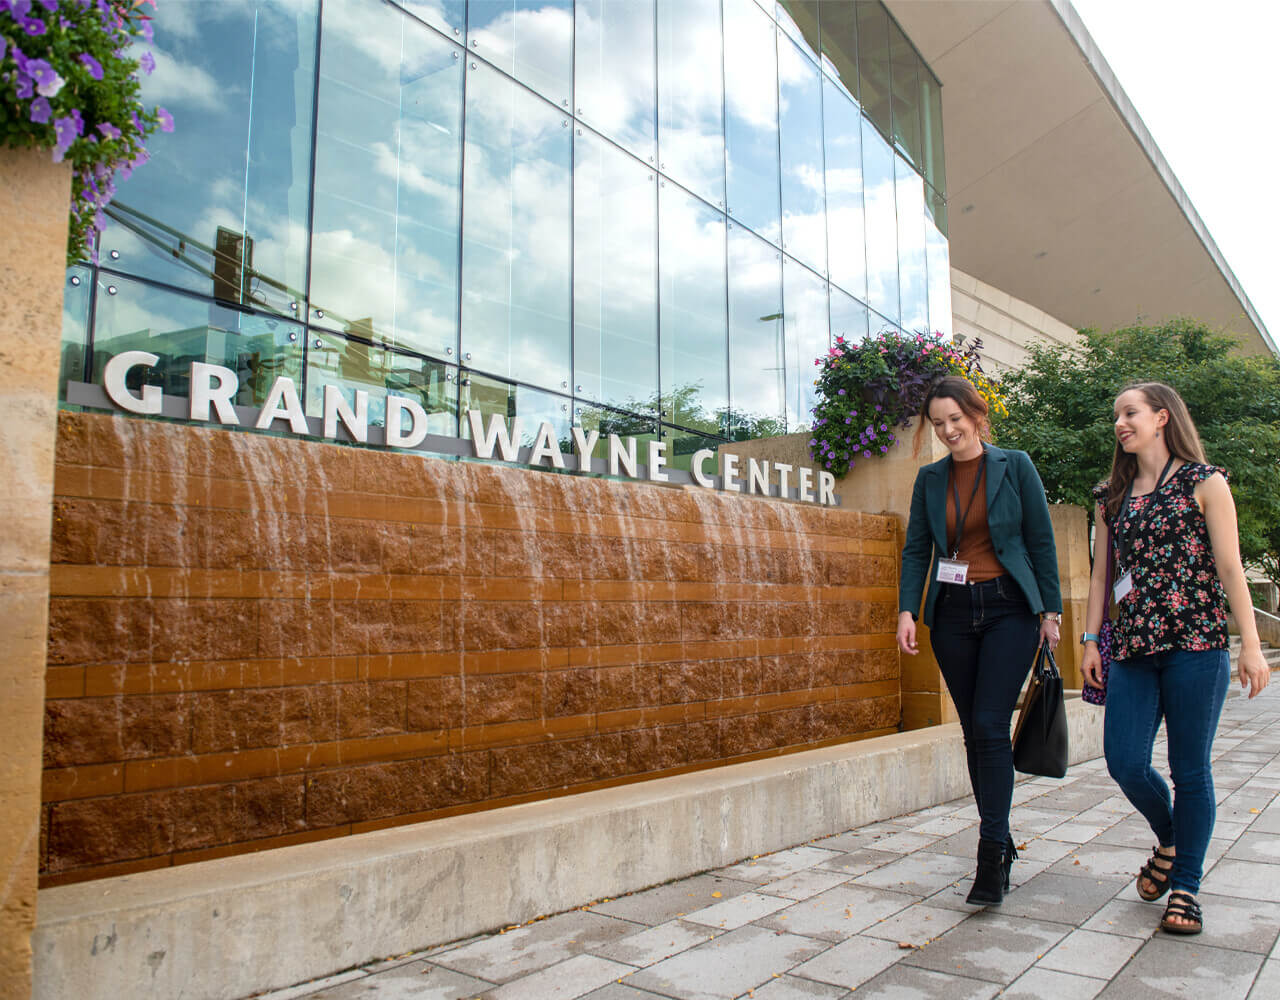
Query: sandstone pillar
point(34, 195)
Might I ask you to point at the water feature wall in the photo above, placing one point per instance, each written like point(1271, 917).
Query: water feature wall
point(256, 641)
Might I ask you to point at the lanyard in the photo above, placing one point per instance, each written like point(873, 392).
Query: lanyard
point(955, 486)
point(1125, 539)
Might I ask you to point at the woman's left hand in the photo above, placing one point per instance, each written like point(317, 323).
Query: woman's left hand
point(1254, 672)
point(1049, 632)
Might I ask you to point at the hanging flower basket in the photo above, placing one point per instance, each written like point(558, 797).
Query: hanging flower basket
point(868, 391)
point(69, 83)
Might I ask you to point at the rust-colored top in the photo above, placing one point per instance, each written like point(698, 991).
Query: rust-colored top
point(975, 547)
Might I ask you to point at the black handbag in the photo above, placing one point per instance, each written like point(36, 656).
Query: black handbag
point(1040, 737)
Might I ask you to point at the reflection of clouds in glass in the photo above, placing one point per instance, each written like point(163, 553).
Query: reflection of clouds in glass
point(846, 223)
point(187, 86)
point(615, 73)
point(939, 269)
point(913, 287)
point(691, 96)
point(517, 197)
point(880, 199)
point(756, 344)
point(532, 43)
point(807, 333)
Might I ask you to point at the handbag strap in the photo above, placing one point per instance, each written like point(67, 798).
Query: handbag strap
point(1045, 665)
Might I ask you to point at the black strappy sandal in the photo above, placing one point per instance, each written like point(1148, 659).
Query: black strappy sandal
point(1157, 876)
point(1182, 905)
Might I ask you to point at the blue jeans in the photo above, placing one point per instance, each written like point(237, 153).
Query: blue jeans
point(984, 636)
point(1186, 688)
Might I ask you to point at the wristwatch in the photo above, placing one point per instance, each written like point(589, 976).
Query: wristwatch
point(1088, 637)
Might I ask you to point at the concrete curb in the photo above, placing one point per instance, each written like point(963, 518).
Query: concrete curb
point(224, 929)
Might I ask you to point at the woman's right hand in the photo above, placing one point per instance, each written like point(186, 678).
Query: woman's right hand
point(907, 633)
point(1091, 665)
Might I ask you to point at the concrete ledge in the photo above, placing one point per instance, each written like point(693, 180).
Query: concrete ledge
point(223, 929)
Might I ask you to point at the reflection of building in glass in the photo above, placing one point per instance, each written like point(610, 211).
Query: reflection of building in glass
point(652, 214)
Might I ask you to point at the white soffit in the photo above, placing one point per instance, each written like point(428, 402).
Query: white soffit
point(1056, 192)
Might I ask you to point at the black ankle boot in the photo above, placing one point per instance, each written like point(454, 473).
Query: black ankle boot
point(988, 882)
point(1010, 856)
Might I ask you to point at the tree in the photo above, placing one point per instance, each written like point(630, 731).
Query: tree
point(1060, 412)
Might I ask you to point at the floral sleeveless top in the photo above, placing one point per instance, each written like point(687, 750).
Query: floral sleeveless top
point(1177, 601)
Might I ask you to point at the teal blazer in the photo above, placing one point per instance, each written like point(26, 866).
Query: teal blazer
point(1017, 517)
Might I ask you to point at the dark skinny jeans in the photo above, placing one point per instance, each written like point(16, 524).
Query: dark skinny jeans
point(985, 636)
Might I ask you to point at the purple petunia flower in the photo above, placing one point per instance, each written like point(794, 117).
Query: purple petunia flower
point(40, 110)
point(109, 130)
point(884, 448)
point(50, 5)
point(166, 120)
point(91, 64)
point(147, 63)
point(33, 26)
point(148, 32)
point(23, 85)
point(67, 129)
point(842, 392)
point(866, 454)
point(46, 79)
point(883, 427)
point(848, 420)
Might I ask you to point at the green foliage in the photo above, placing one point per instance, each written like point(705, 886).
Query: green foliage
point(1060, 412)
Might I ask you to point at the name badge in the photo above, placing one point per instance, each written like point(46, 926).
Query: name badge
point(1122, 588)
point(952, 571)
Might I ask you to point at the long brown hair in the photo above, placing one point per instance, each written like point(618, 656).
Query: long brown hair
point(1180, 436)
point(967, 398)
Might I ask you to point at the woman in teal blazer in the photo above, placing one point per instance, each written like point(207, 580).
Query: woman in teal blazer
point(979, 536)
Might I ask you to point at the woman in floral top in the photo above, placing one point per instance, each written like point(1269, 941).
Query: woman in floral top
point(1171, 523)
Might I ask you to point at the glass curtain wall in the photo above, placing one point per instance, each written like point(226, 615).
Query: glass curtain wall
point(646, 216)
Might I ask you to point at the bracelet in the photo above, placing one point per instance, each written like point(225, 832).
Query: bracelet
point(1088, 637)
point(1050, 616)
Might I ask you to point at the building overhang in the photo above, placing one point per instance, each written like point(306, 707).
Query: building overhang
point(1057, 193)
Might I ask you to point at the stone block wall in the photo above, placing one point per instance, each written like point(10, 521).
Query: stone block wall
point(256, 641)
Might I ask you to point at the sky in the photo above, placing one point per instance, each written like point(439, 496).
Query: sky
point(1202, 77)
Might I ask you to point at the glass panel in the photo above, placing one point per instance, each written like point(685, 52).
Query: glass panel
point(517, 193)
point(808, 338)
point(840, 45)
point(491, 395)
point(757, 358)
point(531, 40)
point(682, 444)
point(846, 223)
point(75, 327)
point(180, 329)
point(799, 19)
point(384, 259)
point(221, 208)
point(353, 365)
point(691, 96)
point(804, 203)
point(449, 16)
point(695, 340)
point(615, 274)
point(605, 421)
point(938, 256)
point(882, 224)
point(935, 169)
point(906, 95)
point(914, 288)
point(848, 317)
point(873, 63)
point(614, 71)
point(751, 125)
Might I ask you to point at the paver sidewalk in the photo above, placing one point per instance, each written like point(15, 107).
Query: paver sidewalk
point(880, 909)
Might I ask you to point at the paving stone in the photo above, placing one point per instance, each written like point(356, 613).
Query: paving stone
point(918, 924)
point(858, 862)
point(851, 963)
point(739, 911)
point(566, 980)
point(838, 913)
point(619, 991)
point(795, 988)
point(1101, 861)
point(1267, 985)
point(1032, 822)
point(1268, 821)
point(1040, 984)
point(961, 845)
point(653, 945)
point(1244, 924)
point(501, 958)
point(1130, 917)
point(1132, 831)
point(804, 884)
point(944, 826)
point(665, 902)
point(727, 966)
point(905, 843)
point(1074, 833)
point(919, 874)
point(1243, 878)
point(864, 836)
point(906, 982)
point(1044, 851)
point(308, 989)
point(418, 980)
point(1263, 847)
point(993, 947)
point(1184, 968)
point(1091, 953)
point(770, 867)
point(1062, 898)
